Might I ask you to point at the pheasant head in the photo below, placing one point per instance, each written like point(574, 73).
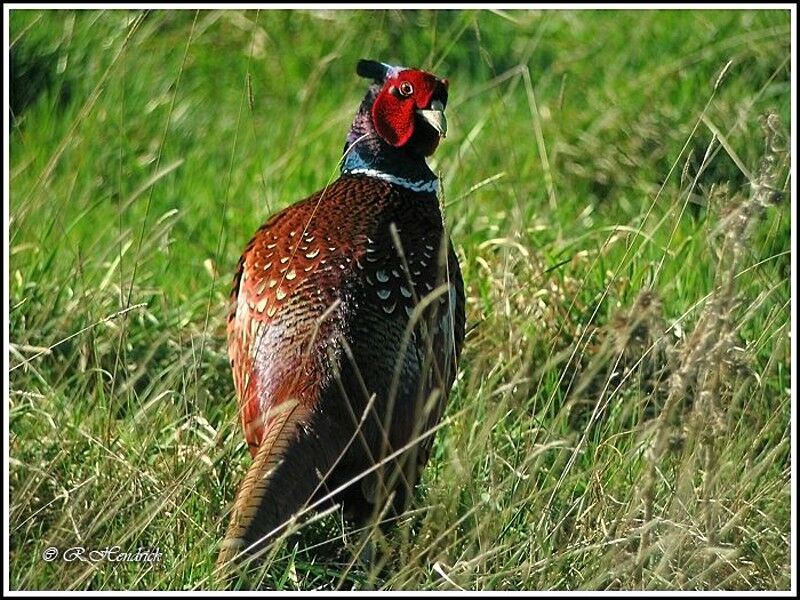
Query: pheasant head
point(400, 122)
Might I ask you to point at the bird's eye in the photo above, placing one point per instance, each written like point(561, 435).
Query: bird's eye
point(406, 89)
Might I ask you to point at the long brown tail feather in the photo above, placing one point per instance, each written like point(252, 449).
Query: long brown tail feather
point(256, 517)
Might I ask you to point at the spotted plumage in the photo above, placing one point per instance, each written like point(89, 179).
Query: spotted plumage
point(346, 323)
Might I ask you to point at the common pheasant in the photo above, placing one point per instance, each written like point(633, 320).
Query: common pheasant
point(346, 324)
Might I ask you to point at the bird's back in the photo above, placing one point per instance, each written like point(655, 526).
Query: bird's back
point(346, 322)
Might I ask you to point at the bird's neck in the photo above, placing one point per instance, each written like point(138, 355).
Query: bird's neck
point(366, 153)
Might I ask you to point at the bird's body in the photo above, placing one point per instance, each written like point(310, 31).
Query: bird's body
point(346, 322)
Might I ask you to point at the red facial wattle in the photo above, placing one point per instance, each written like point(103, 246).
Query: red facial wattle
point(393, 117)
point(405, 98)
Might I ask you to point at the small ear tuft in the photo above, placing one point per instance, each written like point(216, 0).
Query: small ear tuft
point(372, 69)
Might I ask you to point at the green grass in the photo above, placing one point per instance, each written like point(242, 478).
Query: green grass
point(617, 187)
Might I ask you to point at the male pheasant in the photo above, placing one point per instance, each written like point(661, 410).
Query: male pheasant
point(347, 322)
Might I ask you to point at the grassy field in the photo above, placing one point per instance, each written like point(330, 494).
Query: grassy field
point(617, 186)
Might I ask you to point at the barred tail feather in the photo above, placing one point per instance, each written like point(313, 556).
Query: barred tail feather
point(277, 485)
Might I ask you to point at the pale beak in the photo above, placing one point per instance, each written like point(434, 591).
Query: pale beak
point(435, 117)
